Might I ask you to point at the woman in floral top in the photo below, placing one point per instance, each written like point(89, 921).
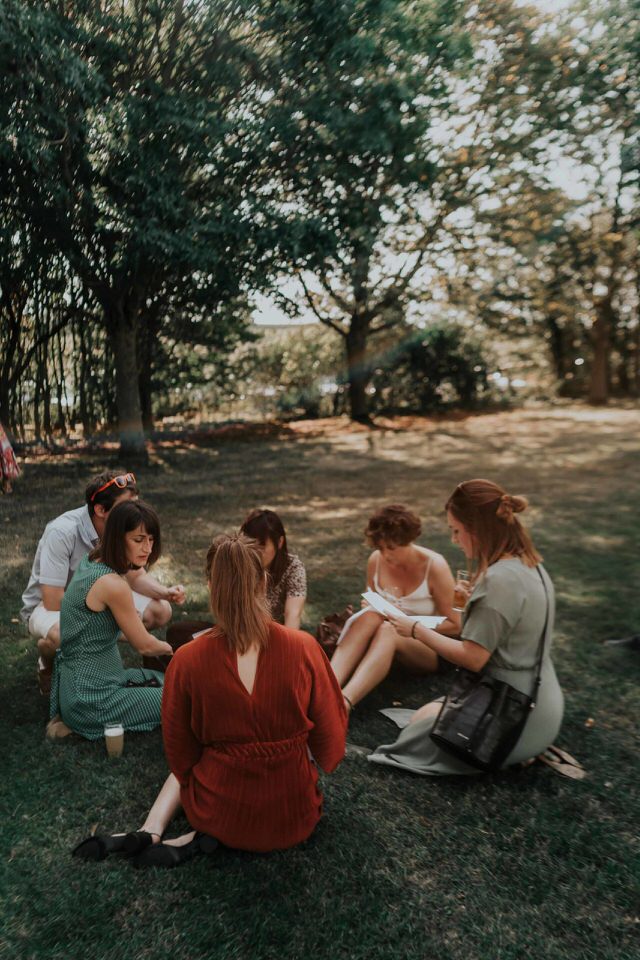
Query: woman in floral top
point(9, 469)
point(287, 579)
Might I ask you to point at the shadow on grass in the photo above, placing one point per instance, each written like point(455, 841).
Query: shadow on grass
point(521, 864)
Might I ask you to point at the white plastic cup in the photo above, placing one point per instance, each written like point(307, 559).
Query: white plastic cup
point(114, 739)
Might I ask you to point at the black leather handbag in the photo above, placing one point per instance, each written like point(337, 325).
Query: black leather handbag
point(482, 718)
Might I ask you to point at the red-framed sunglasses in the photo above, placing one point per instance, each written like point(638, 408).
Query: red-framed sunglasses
point(122, 482)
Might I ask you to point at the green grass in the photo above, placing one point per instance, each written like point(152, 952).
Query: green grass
point(524, 864)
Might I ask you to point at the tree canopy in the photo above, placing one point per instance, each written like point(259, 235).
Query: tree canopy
point(379, 163)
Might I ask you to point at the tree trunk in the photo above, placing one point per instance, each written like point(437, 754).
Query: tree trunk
point(123, 336)
point(357, 369)
point(147, 332)
point(5, 405)
point(623, 368)
point(602, 332)
point(601, 342)
point(557, 345)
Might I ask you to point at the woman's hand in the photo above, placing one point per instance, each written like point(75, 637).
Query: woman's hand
point(402, 625)
point(463, 589)
point(164, 649)
point(176, 594)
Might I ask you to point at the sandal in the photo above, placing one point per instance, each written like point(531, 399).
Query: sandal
point(57, 729)
point(168, 856)
point(563, 763)
point(99, 846)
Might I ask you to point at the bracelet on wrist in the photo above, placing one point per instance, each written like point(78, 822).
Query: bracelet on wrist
point(413, 629)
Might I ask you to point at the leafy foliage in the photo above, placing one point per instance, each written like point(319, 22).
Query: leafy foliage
point(430, 369)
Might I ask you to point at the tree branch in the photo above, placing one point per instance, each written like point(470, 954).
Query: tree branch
point(326, 320)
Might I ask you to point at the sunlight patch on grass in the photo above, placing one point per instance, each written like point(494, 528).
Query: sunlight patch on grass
point(576, 597)
point(504, 859)
point(597, 541)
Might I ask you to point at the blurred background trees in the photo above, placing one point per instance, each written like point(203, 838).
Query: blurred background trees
point(440, 184)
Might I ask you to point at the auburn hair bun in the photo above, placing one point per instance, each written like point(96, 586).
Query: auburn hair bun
point(509, 505)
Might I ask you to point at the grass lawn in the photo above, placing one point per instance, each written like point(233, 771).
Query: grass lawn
point(518, 865)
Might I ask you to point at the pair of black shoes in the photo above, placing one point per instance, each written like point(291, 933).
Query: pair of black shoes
point(626, 643)
point(143, 852)
point(166, 855)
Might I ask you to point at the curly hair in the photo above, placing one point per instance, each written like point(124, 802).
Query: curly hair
point(394, 524)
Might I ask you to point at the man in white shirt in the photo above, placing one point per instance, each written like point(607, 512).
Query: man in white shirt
point(65, 541)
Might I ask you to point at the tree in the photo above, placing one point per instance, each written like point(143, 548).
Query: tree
point(134, 152)
point(402, 116)
point(610, 99)
point(563, 265)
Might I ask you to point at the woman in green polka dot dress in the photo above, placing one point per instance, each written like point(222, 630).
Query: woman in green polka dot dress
point(89, 688)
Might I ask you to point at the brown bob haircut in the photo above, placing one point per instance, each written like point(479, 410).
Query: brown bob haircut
point(487, 512)
point(122, 519)
point(394, 525)
point(237, 591)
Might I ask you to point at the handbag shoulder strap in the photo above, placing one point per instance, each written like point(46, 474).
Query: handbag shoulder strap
point(543, 639)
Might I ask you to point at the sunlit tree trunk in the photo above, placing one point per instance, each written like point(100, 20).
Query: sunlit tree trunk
point(123, 337)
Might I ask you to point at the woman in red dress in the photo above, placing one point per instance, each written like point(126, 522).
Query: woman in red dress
point(246, 710)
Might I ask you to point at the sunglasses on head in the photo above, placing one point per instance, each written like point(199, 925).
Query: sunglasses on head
point(122, 482)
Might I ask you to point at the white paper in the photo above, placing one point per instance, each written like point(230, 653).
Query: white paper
point(382, 606)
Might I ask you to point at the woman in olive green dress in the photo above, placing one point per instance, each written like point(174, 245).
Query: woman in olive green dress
point(501, 629)
point(89, 688)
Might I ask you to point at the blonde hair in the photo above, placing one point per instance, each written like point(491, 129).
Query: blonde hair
point(237, 591)
point(486, 512)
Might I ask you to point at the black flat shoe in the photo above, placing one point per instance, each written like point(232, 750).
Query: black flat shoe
point(99, 846)
point(168, 856)
point(135, 843)
point(630, 643)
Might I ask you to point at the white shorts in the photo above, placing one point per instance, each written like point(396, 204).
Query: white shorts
point(41, 619)
point(140, 603)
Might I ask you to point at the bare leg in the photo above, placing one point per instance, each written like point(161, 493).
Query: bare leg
point(416, 656)
point(48, 645)
point(429, 710)
point(156, 614)
point(180, 841)
point(352, 648)
point(164, 808)
point(375, 664)
point(377, 660)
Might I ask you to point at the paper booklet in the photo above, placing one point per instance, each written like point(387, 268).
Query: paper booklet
point(383, 606)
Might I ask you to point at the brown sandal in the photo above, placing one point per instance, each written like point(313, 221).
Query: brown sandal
point(563, 763)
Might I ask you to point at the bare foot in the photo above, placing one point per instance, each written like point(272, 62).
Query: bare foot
point(181, 841)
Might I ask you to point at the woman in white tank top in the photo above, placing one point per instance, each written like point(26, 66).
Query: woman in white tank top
point(416, 580)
